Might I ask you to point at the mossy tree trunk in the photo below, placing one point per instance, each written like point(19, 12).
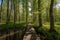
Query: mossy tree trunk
point(26, 11)
point(39, 12)
point(51, 16)
point(7, 18)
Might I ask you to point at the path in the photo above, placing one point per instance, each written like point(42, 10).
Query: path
point(31, 34)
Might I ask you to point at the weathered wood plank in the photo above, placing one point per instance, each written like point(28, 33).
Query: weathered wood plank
point(7, 35)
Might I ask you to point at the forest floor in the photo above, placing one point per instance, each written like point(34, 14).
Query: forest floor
point(31, 34)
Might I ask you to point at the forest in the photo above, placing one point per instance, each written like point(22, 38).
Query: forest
point(29, 19)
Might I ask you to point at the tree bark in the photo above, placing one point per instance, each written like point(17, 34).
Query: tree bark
point(51, 16)
point(1, 10)
point(15, 11)
point(40, 16)
point(34, 10)
point(23, 10)
point(26, 11)
point(7, 19)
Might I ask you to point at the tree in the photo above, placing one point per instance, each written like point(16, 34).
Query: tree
point(51, 16)
point(34, 10)
point(23, 5)
point(8, 18)
point(15, 11)
point(39, 12)
point(1, 9)
point(10, 9)
point(26, 10)
point(19, 9)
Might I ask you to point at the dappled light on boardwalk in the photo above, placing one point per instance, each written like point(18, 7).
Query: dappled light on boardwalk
point(31, 34)
point(27, 37)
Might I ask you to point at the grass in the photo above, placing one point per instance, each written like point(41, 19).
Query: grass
point(46, 35)
point(12, 26)
point(46, 26)
point(44, 31)
point(57, 27)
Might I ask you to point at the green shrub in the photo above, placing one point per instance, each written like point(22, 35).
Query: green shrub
point(57, 23)
point(52, 36)
point(11, 26)
point(48, 35)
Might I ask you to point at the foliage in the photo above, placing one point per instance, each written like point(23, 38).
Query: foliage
point(46, 35)
point(17, 11)
point(12, 26)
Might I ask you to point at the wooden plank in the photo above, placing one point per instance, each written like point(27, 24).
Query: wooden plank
point(10, 34)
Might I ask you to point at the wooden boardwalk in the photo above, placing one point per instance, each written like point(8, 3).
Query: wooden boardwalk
point(31, 35)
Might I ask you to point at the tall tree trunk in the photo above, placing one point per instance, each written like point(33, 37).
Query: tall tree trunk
point(10, 10)
point(19, 10)
point(23, 11)
point(51, 16)
point(27, 11)
point(34, 10)
point(39, 11)
point(7, 20)
point(15, 12)
point(1, 10)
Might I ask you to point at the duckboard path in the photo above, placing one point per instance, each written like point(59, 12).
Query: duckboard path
point(31, 34)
